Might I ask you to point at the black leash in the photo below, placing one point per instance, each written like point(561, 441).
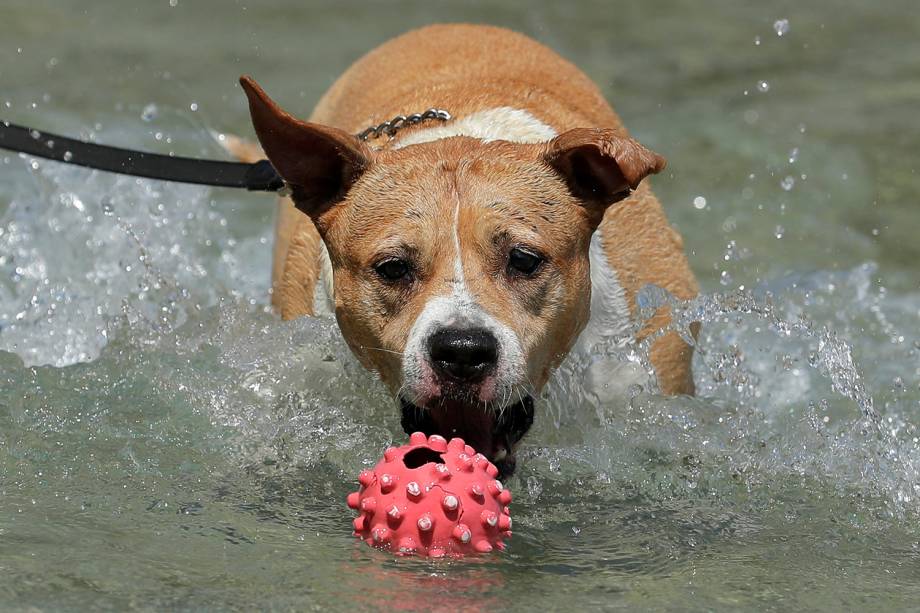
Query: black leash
point(260, 176)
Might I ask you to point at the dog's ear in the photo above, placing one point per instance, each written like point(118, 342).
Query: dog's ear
point(600, 166)
point(319, 162)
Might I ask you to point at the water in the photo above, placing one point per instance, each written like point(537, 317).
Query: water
point(167, 442)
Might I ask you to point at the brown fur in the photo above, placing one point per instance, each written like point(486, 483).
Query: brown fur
point(466, 69)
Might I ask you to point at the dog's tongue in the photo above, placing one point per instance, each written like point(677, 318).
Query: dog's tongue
point(475, 426)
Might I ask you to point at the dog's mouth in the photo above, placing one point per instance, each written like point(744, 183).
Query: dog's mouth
point(494, 433)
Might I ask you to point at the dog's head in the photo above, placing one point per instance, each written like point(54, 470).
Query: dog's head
point(460, 267)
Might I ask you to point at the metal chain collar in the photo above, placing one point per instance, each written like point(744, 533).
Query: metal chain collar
point(391, 127)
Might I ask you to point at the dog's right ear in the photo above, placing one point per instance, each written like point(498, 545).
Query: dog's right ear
point(600, 166)
point(319, 162)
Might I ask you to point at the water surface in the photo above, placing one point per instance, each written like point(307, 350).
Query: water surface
point(165, 441)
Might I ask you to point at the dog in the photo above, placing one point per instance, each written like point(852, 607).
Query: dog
point(464, 259)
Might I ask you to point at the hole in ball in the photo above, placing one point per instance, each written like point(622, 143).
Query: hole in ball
point(421, 456)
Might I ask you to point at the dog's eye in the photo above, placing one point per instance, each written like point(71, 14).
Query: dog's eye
point(523, 262)
point(393, 269)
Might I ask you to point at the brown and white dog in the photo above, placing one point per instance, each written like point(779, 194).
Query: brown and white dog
point(464, 260)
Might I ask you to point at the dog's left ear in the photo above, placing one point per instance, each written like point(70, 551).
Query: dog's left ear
point(599, 166)
point(319, 162)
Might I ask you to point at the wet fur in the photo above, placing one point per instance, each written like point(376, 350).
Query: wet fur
point(463, 201)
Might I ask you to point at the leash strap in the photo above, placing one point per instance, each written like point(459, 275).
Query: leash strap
point(258, 177)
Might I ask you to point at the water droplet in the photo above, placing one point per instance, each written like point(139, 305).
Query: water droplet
point(781, 27)
point(193, 106)
point(68, 156)
point(763, 87)
point(725, 278)
point(787, 183)
point(699, 203)
point(150, 112)
point(779, 232)
point(793, 155)
point(108, 207)
point(173, 3)
point(757, 40)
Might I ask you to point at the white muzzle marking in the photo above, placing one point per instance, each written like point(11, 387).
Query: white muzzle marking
point(421, 384)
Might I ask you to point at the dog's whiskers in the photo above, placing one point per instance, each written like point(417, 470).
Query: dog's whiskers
point(381, 349)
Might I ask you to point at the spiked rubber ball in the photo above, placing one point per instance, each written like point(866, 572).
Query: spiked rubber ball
point(432, 498)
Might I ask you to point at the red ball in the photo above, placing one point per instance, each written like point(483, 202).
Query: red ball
point(432, 497)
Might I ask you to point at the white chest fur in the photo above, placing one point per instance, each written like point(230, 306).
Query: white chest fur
point(609, 329)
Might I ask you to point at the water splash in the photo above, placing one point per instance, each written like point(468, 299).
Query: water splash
point(760, 416)
point(781, 27)
point(81, 248)
point(147, 279)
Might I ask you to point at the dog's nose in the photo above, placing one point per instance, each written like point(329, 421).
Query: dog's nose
point(465, 355)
